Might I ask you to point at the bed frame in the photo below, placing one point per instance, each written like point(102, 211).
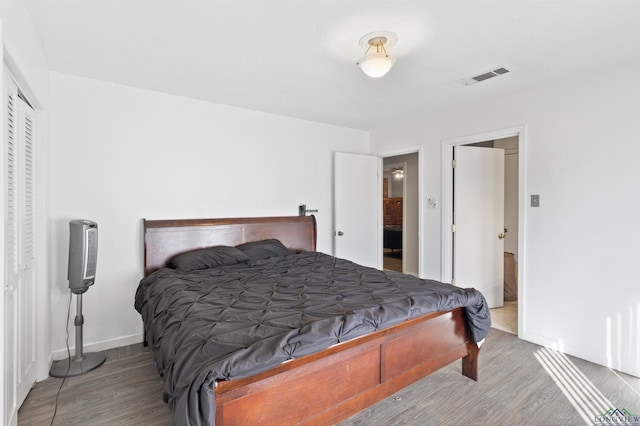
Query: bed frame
point(331, 385)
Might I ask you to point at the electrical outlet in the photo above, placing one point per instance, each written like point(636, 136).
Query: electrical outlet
point(431, 203)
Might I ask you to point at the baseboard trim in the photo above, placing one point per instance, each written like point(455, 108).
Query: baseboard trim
point(99, 346)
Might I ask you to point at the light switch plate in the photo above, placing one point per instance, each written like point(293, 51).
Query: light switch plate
point(535, 200)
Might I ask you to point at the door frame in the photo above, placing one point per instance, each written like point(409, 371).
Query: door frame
point(412, 149)
point(447, 207)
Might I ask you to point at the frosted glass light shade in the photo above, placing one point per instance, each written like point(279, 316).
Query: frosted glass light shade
point(376, 64)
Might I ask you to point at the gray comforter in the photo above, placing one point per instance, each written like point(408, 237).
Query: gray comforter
point(234, 321)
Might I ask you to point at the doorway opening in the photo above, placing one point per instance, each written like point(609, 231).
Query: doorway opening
point(510, 315)
point(400, 209)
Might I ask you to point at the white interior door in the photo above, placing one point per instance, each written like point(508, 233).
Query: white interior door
point(20, 332)
point(357, 205)
point(478, 214)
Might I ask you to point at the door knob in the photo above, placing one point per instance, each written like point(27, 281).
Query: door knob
point(340, 233)
point(501, 236)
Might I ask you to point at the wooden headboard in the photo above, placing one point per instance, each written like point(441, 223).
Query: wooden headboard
point(163, 239)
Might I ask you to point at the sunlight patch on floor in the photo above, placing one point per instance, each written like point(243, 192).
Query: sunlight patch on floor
point(583, 395)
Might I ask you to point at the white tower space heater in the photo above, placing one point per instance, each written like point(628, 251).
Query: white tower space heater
point(83, 256)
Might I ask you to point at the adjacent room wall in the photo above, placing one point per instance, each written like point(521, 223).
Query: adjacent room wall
point(581, 151)
point(396, 186)
point(120, 154)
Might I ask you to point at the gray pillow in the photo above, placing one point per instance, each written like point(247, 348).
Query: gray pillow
point(210, 257)
point(264, 249)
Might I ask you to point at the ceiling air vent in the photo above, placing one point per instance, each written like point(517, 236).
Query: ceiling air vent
point(484, 76)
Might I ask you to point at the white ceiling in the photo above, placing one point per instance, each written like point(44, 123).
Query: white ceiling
point(297, 57)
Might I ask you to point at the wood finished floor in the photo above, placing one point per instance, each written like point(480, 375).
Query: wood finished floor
point(392, 261)
point(513, 389)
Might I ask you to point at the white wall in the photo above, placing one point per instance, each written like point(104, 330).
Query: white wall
point(581, 246)
point(120, 154)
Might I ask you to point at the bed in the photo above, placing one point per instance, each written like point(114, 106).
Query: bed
point(330, 367)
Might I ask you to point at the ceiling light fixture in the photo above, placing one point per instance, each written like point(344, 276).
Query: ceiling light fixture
point(398, 173)
point(376, 60)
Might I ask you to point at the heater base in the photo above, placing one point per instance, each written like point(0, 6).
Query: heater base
point(87, 363)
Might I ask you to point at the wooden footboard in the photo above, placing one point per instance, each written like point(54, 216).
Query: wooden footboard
point(340, 381)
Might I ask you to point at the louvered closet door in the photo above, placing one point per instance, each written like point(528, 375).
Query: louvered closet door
point(11, 255)
point(19, 250)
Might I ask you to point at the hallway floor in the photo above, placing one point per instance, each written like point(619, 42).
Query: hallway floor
point(392, 260)
point(506, 318)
